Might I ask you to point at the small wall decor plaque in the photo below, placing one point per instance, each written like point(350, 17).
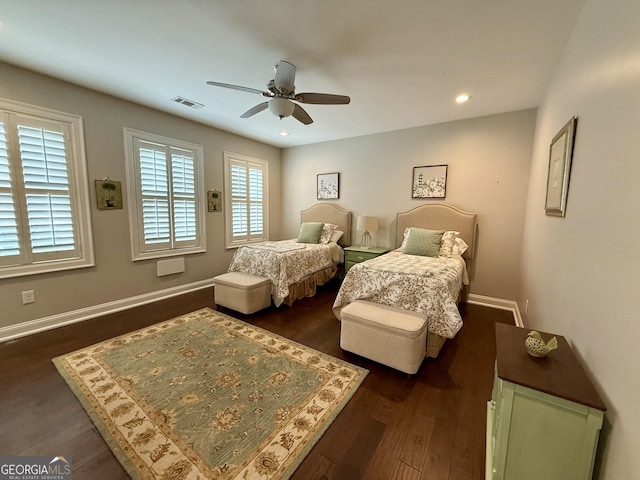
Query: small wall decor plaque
point(108, 194)
point(214, 201)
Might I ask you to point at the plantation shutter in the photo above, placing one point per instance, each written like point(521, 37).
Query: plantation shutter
point(184, 196)
point(256, 219)
point(47, 192)
point(37, 217)
point(9, 240)
point(239, 211)
point(45, 222)
point(169, 215)
point(246, 198)
point(154, 188)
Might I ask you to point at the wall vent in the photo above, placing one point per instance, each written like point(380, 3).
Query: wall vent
point(170, 266)
point(188, 103)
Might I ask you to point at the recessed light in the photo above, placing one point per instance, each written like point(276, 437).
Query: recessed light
point(463, 98)
point(284, 133)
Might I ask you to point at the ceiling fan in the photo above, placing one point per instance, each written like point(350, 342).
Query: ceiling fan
point(281, 91)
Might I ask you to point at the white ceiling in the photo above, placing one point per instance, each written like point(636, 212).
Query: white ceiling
point(402, 62)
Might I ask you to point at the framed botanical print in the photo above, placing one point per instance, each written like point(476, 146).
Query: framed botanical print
point(560, 155)
point(429, 181)
point(328, 186)
point(108, 194)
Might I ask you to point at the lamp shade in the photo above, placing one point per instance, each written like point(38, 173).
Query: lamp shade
point(367, 223)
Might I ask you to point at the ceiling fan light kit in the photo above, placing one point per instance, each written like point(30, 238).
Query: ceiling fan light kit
point(281, 90)
point(281, 107)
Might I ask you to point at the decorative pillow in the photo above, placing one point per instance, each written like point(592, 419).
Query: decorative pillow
point(327, 231)
point(337, 235)
point(310, 232)
point(459, 247)
point(405, 235)
point(448, 239)
point(423, 242)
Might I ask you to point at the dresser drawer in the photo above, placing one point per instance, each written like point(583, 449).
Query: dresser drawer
point(357, 257)
point(361, 254)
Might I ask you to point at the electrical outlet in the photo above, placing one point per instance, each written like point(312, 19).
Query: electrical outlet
point(28, 296)
point(526, 306)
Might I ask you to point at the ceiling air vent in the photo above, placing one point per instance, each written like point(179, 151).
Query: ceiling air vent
point(188, 103)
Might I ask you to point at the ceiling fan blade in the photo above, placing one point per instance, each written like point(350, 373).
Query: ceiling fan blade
point(285, 77)
point(238, 87)
point(301, 115)
point(257, 109)
point(322, 98)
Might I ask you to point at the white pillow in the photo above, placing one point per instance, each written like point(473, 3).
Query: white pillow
point(327, 231)
point(405, 237)
point(337, 235)
point(448, 239)
point(459, 247)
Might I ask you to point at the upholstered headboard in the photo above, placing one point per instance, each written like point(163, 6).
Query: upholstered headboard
point(329, 213)
point(440, 216)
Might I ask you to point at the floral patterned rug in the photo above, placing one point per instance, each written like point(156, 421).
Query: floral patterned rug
point(207, 396)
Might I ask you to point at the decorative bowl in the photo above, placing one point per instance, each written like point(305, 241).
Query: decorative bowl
point(536, 347)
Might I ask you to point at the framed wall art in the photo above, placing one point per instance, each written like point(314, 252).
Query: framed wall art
point(429, 181)
point(328, 186)
point(560, 155)
point(108, 194)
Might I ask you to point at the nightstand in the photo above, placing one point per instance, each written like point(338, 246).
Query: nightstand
point(356, 254)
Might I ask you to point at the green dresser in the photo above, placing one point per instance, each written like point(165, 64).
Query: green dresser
point(544, 417)
point(356, 254)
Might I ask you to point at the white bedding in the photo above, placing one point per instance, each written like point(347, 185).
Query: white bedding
point(285, 262)
point(411, 282)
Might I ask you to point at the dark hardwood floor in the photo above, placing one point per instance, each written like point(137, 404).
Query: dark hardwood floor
point(429, 426)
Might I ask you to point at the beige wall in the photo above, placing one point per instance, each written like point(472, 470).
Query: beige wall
point(579, 272)
point(488, 162)
point(115, 276)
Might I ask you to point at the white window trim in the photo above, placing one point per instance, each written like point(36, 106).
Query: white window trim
point(78, 185)
point(134, 195)
point(228, 158)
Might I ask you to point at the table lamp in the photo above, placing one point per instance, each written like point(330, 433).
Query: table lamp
point(368, 224)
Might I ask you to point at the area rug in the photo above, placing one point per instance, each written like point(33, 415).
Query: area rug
point(207, 396)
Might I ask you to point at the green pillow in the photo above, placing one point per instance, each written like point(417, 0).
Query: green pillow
point(423, 242)
point(310, 232)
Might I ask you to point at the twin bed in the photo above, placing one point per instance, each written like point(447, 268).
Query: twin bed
point(429, 285)
point(296, 269)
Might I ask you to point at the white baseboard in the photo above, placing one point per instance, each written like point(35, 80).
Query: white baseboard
point(54, 321)
point(499, 303)
point(12, 332)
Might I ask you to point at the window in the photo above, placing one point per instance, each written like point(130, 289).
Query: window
point(165, 195)
point(246, 193)
point(45, 223)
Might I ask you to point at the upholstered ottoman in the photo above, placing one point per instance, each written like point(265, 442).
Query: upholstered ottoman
point(242, 292)
point(385, 334)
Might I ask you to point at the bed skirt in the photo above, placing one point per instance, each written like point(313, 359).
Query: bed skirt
point(307, 286)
